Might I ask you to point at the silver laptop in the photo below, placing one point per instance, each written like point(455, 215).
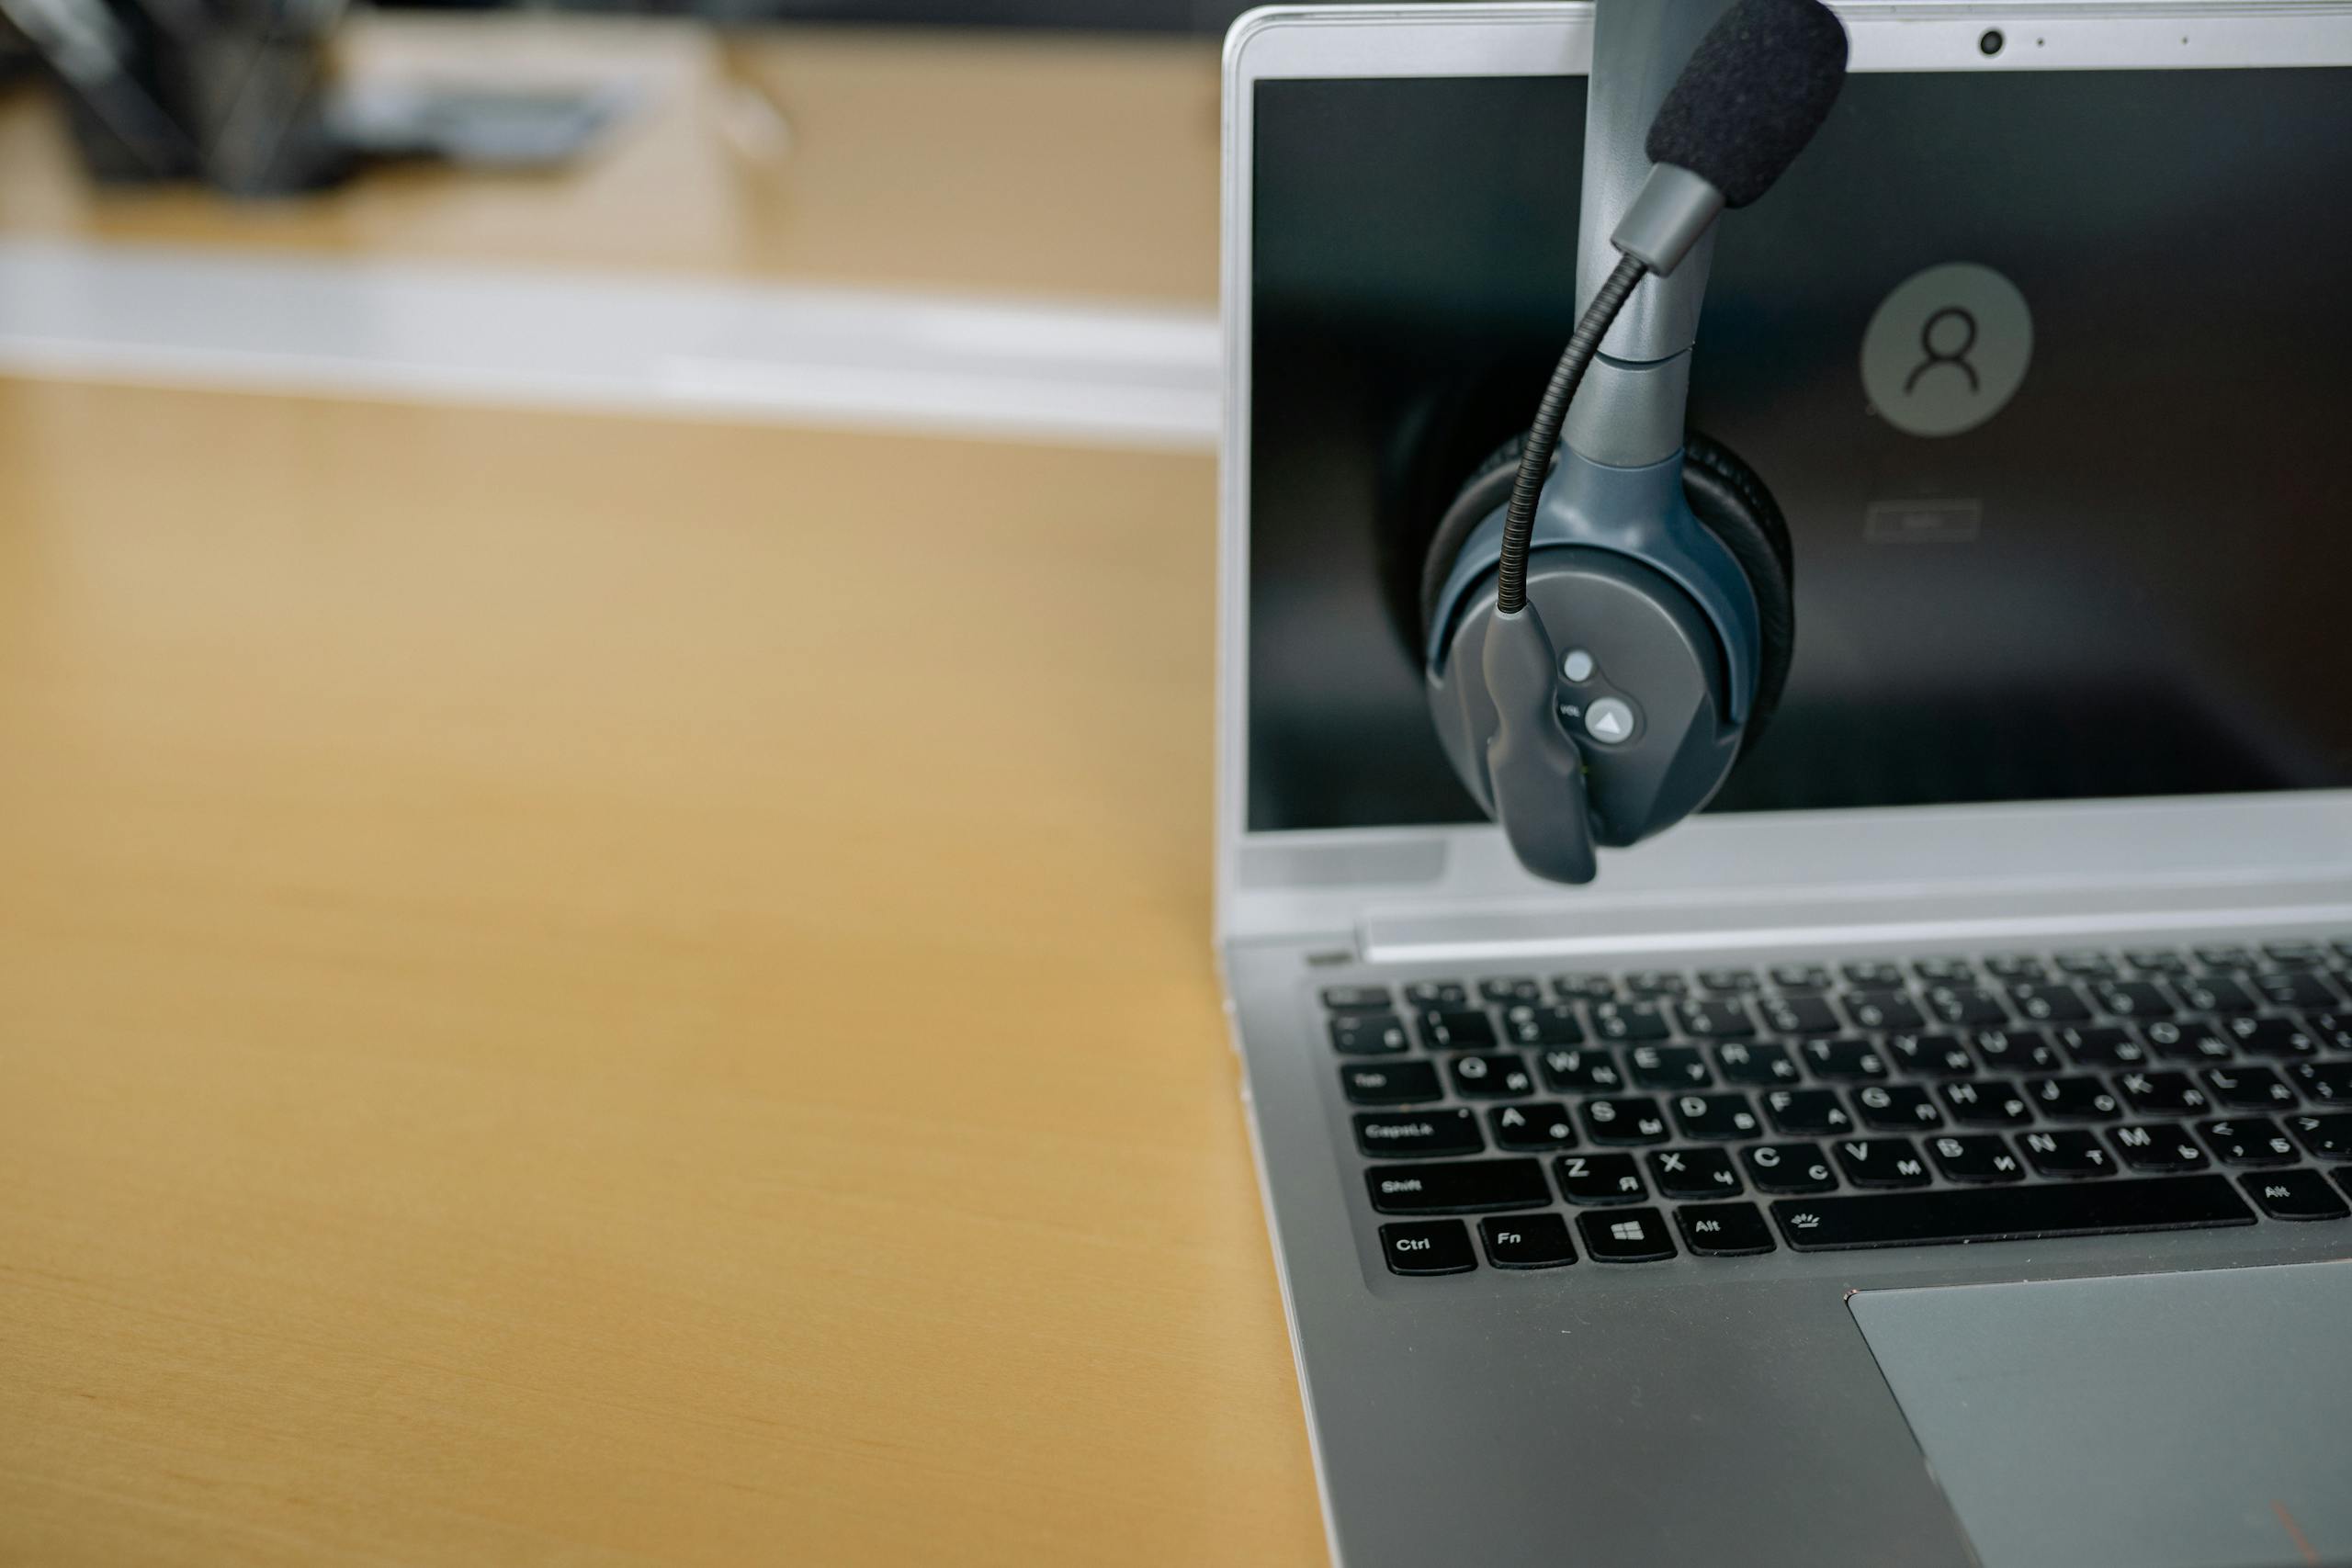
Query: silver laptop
point(1938, 1152)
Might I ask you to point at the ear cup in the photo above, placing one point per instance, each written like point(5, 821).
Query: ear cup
point(1729, 499)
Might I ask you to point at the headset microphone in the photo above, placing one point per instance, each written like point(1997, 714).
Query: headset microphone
point(1674, 582)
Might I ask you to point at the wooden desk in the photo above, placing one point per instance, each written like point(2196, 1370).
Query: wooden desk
point(543, 1017)
point(1029, 164)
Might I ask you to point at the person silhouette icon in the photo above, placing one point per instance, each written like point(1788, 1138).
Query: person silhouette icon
point(1961, 318)
point(1956, 356)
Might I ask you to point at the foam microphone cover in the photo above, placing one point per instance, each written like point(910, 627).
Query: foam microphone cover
point(1756, 88)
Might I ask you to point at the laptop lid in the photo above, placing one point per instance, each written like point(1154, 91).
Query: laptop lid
point(2067, 649)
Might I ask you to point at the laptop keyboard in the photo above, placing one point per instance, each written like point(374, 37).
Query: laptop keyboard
point(1517, 1121)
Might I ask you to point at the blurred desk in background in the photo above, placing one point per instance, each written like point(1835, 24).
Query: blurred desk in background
point(1022, 163)
point(535, 1023)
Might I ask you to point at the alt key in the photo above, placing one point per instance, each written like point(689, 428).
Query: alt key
point(1427, 1246)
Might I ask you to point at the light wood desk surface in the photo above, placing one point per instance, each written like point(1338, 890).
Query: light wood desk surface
point(1026, 163)
point(539, 1022)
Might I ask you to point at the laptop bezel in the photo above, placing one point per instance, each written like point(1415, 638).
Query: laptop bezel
point(1456, 888)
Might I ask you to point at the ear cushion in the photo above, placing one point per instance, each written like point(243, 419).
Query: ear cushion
point(1725, 495)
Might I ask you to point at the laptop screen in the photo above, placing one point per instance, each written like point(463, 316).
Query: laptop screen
point(2050, 372)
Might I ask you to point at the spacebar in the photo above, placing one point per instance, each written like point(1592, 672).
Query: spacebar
point(2009, 1213)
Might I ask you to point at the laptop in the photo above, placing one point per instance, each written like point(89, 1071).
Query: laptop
point(1939, 1151)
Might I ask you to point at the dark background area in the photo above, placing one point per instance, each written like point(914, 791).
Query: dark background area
point(2151, 604)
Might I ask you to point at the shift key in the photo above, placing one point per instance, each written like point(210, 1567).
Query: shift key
point(1465, 1187)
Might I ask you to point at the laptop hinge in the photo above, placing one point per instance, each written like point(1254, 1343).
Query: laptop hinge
point(1695, 922)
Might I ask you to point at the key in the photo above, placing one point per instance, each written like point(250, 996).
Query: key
point(1843, 1061)
point(1430, 1247)
point(1756, 1065)
point(2276, 1037)
point(2009, 1213)
point(1723, 1230)
point(2195, 1041)
point(1729, 980)
point(1599, 1178)
point(1356, 998)
point(2132, 999)
point(1714, 1018)
point(1588, 1071)
point(1879, 1162)
point(1584, 988)
point(2225, 955)
point(1814, 977)
point(1668, 1066)
point(1625, 1236)
point(2294, 953)
point(1629, 1119)
point(1538, 1124)
point(2015, 966)
point(2248, 1088)
point(2162, 1094)
point(2100, 1045)
point(2296, 988)
point(2156, 960)
point(1872, 975)
point(2015, 1050)
point(1988, 1102)
point(2212, 993)
point(1788, 1167)
point(1498, 1075)
point(1656, 983)
point(1974, 1158)
point(1528, 1241)
point(2076, 1097)
point(1715, 1116)
point(2067, 1152)
point(1813, 1112)
point(2247, 1140)
point(1944, 971)
point(1618, 1022)
point(1422, 1133)
point(1399, 1084)
point(1966, 1005)
point(2055, 1003)
point(2158, 1148)
point(2294, 1195)
point(2323, 1080)
point(1368, 1035)
point(1932, 1056)
point(2327, 1137)
point(2334, 1032)
point(1506, 991)
point(1878, 1010)
point(1897, 1108)
point(1551, 1023)
point(1437, 994)
point(2084, 966)
point(1693, 1173)
point(1458, 1031)
point(1797, 1015)
point(1451, 1189)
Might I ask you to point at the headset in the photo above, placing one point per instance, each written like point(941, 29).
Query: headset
point(1608, 618)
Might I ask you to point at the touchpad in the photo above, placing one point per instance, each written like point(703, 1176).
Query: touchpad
point(2195, 1420)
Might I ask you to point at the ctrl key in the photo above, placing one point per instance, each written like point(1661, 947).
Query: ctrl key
point(1427, 1246)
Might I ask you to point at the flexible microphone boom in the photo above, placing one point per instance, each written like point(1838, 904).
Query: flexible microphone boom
point(1753, 94)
